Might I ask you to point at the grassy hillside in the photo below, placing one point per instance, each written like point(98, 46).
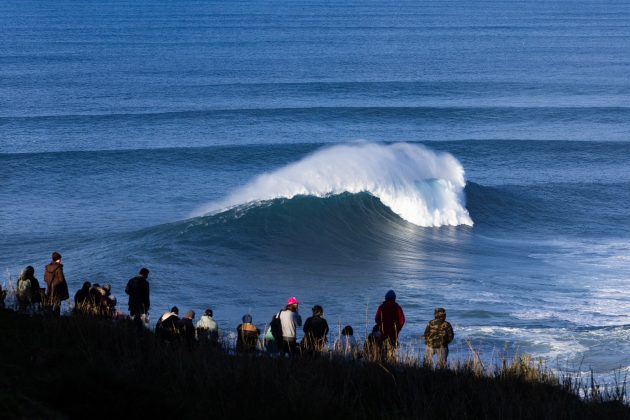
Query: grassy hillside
point(81, 367)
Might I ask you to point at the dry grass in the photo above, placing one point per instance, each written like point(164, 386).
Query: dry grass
point(74, 366)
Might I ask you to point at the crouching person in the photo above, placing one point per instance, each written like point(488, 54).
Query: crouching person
point(437, 336)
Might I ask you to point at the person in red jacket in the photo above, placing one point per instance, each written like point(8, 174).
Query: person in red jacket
point(390, 319)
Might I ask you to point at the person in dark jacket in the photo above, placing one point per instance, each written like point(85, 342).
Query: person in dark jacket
point(247, 336)
point(82, 298)
point(56, 286)
point(373, 346)
point(315, 332)
point(167, 326)
point(138, 291)
point(390, 319)
point(187, 329)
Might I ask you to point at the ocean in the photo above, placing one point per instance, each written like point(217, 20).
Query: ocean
point(469, 155)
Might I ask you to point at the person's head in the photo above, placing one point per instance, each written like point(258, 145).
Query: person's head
point(347, 330)
point(390, 295)
point(144, 272)
point(189, 314)
point(318, 310)
point(439, 313)
point(247, 319)
point(107, 287)
point(56, 257)
point(28, 272)
point(86, 285)
point(208, 312)
point(376, 328)
point(175, 310)
point(292, 304)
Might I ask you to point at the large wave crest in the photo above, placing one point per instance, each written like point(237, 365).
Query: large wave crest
point(422, 186)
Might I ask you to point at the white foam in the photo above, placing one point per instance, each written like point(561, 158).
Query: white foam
point(423, 187)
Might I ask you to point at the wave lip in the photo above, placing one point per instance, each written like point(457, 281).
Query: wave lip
point(422, 186)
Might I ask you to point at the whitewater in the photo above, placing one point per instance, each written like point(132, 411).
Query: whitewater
point(421, 186)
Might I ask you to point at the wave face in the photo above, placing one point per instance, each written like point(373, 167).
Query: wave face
point(423, 187)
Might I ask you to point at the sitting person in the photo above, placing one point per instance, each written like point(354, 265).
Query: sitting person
point(27, 291)
point(166, 327)
point(346, 345)
point(82, 298)
point(373, 348)
point(247, 336)
point(207, 328)
point(187, 329)
point(315, 332)
point(108, 302)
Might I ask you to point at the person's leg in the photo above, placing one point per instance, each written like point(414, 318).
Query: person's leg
point(442, 356)
point(428, 357)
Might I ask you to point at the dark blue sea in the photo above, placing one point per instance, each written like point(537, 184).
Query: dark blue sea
point(473, 155)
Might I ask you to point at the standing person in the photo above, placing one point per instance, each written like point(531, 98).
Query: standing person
point(247, 336)
point(27, 290)
point(290, 319)
point(390, 319)
point(437, 336)
point(207, 328)
point(56, 286)
point(138, 291)
point(315, 332)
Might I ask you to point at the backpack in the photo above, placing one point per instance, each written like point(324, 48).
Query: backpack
point(24, 289)
point(276, 328)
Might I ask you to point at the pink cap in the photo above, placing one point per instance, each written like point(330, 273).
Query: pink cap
point(292, 301)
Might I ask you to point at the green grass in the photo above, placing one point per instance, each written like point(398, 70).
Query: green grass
point(83, 367)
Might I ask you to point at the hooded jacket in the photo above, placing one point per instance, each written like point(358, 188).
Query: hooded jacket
point(57, 288)
point(390, 319)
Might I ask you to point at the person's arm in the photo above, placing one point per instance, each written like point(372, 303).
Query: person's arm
point(449, 333)
point(377, 317)
point(401, 318)
point(427, 330)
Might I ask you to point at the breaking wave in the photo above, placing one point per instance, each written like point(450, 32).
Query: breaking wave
point(421, 186)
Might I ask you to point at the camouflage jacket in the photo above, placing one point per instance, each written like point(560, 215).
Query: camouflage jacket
point(438, 333)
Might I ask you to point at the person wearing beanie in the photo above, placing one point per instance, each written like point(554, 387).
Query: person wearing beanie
point(437, 335)
point(56, 286)
point(290, 320)
point(315, 332)
point(247, 336)
point(138, 291)
point(207, 328)
point(390, 319)
point(187, 329)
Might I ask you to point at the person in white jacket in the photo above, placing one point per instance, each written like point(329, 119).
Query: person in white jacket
point(207, 328)
point(290, 319)
point(346, 345)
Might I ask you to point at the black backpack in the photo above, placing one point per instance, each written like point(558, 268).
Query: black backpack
point(276, 328)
